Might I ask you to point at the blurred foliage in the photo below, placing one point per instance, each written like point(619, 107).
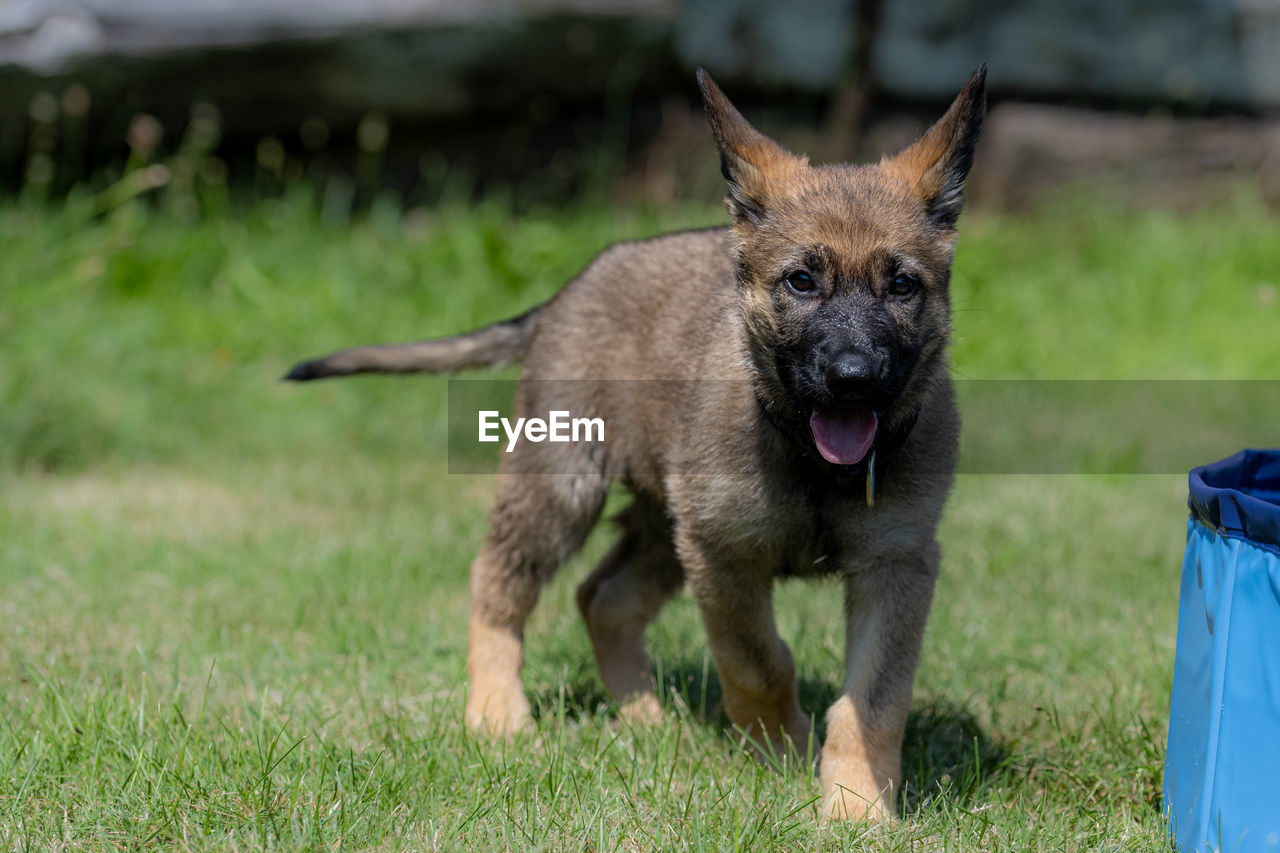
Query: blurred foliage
point(136, 332)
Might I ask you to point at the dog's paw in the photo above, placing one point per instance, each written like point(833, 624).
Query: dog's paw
point(841, 804)
point(642, 710)
point(499, 716)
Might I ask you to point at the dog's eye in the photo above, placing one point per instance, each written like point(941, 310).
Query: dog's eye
point(903, 284)
point(800, 282)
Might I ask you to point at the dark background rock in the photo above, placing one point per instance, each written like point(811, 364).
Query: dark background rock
point(1205, 54)
point(557, 92)
point(425, 61)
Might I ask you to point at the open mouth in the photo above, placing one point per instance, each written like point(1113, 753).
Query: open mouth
point(843, 436)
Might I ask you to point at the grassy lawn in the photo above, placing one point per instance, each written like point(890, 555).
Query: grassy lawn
point(232, 612)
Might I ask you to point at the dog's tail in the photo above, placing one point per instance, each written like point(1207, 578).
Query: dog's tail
point(490, 346)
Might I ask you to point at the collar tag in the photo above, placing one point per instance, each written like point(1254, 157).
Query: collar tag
point(871, 478)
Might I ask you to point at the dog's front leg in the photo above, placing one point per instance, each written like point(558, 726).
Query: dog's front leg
point(756, 672)
point(886, 605)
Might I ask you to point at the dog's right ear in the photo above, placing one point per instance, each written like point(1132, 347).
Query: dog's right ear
point(937, 163)
point(754, 165)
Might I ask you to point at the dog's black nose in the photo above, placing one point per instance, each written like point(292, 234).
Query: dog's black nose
point(853, 374)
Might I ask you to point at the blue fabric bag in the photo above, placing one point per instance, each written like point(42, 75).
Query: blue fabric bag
point(1222, 771)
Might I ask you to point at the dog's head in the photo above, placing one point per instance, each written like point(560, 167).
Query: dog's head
point(844, 270)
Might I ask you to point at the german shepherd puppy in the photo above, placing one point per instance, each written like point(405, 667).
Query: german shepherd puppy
point(830, 450)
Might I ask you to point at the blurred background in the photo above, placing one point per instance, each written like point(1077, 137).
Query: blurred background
point(549, 98)
point(200, 564)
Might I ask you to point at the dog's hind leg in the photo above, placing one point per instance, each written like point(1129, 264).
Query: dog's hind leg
point(538, 522)
point(619, 600)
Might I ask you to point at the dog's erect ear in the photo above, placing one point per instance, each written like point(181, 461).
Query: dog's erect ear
point(754, 165)
point(937, 163)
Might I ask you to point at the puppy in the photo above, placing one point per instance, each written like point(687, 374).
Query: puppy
point(797, 419)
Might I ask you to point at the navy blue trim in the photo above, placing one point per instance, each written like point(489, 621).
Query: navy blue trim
point(1239, 497)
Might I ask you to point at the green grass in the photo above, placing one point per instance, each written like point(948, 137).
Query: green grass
point(233, 611)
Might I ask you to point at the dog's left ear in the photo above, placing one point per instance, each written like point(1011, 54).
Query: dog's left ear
point(936, 164)
point(755, 166)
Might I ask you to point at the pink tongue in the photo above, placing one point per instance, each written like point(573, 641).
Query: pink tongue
point(843, 436)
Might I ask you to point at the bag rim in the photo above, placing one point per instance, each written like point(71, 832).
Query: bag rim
point(1223, 496)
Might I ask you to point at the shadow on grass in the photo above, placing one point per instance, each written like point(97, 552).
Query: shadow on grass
point(946, 753)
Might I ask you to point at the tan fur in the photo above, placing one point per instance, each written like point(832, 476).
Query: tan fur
point(675, 342)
